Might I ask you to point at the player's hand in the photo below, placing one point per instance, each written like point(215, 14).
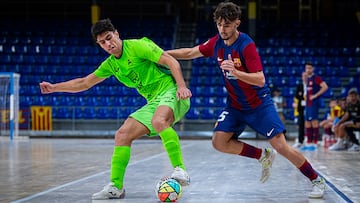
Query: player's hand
point(228, 64)
point(312, 97)
point(46, 87)
point(183, 93)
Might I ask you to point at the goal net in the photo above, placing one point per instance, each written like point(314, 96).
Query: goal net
point(9, 104)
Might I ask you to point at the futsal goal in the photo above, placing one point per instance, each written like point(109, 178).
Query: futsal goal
point(9, 104)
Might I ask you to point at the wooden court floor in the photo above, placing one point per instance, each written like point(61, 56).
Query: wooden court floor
point(71, 170)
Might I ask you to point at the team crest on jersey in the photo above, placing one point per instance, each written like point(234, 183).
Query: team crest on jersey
point(237, 62)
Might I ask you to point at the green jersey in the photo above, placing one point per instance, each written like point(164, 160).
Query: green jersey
point(138, 68)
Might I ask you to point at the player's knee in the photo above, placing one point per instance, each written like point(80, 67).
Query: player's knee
point(218, 144)
point(282, 148)
point(121, 137)
point(279, 143)
point(160, 123)
point(341, 127)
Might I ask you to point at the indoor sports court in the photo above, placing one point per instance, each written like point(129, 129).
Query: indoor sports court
point(63, 142)
point(71, 170)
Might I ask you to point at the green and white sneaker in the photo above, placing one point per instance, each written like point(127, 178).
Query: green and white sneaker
point(181, 176)
point(266, 162)
point(318, 188)
point(109, 192)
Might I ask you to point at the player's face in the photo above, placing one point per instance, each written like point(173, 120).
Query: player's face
point(110, 42)
point(332, 103)
point(309, 69)
point(227, 29)
point(352, 98)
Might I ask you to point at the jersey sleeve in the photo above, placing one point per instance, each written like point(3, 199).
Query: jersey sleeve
point(147, 49)
point(318, 80)
point(207, 48)
point(104, 70)
point(252, 58)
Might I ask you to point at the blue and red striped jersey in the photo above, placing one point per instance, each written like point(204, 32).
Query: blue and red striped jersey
point(243, 51)
point(312, 87)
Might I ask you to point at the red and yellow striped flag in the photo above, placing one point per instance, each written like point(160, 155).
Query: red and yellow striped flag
point(41, 118)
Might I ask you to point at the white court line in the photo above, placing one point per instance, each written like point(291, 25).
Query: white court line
point(86, 178)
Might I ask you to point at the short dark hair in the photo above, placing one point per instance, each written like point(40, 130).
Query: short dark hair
point(228, 11)
point(309, 63)
point(101, 26)
point(353, 91)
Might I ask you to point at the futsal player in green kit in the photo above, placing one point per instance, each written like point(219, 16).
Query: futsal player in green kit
point(140, 64)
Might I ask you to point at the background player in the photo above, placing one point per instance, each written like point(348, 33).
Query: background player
point(315, 87)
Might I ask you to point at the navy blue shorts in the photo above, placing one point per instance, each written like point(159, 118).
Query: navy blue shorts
point(264, 120)
point(312, 112)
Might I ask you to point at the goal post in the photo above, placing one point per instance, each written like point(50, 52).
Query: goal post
point(9, 104)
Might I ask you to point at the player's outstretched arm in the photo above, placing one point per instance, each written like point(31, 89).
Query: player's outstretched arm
point(185, 53)
point(72, 86)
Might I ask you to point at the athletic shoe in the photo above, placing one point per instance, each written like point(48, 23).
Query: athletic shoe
point(110, 192)
point(298, 145)
point(318, 188)
point(354, 148)
point(304, 147)
point(339, 145)
point(181, 176)
point(266, 161)
point(311, 147)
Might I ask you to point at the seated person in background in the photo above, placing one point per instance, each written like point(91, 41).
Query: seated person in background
point(342, 102)
point(334, 113)
point(349, 122)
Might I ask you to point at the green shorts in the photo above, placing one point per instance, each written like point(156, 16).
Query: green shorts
point(167, 98)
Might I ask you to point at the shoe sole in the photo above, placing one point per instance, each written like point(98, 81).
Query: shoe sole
point(122, 196)
point(316, 197)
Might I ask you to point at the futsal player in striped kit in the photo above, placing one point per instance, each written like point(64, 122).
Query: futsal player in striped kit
point(315, 87)
point(249, 99)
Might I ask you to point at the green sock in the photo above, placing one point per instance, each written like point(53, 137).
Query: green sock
point(171, 144)
point(119, 162)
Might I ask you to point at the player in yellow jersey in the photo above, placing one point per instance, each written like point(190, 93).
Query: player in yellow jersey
point(334, 113)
